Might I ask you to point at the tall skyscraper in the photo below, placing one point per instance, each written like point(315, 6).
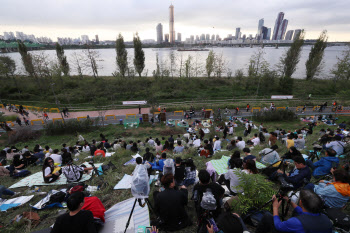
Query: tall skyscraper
point(171, 25)
point(260, 25)
point(207, 37)
point(202, 37)
point(296, 34)
point(213, 37)
point(268, 36)
point(282, 30)
point(85, 39)
point(289, 35)
point(178, 37)
point(166, 37)
point(263, 33)
point(97, 39)
point(192, 38)
point(238, 33)
point(278, 24)
point(159, 33)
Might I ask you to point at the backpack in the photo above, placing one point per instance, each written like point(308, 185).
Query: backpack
point(338, 218)
point(22, 173)
point(57, 197)
point(208, 201)
point(110, 165)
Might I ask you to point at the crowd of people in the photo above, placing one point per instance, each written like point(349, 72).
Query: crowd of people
point(178, 176)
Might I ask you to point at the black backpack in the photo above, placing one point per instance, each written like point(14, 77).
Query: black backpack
point(338, 218)
point(57, 197)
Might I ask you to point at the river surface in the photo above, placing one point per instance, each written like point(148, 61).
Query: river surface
point(234, 58)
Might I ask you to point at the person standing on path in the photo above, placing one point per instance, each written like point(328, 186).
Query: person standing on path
point(139, 109)
point(248, 107)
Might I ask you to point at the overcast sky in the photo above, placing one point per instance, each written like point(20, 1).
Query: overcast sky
point(73, 18)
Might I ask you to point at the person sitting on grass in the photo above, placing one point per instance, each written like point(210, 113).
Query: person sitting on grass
point(248, 155)
point(292, 152)
point(269, 155)
point(202, 186)
point(249, 167)
point(170, 206)
point(77, 220)
point(336, 145)
point(230, 178)
point(190, 173)
point(100, 152)
point(160, 164)
point(309, 216)
point(50, 173)
point(148, 156)
point(179, 148)
point(324, 165)
point(297, 176)
point(5, 191)
point(217, 144)
point(240, 143)
point(336, 193)
point(57, 158)
point(290, 141)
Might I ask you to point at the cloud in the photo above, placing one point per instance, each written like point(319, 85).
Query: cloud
point(63, 18)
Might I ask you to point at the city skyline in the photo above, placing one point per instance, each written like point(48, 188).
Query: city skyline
point(63, 19)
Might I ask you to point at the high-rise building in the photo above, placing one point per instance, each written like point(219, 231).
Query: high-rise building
point(278, 24)
point(244, 37)
point(217, 37)
point(282, 30)
point(178, 37)
point(171, 25)
point(192, 38)
point(97, 39)
point(213, 37)
point(289, 35)
point(260, 25)
point(159, 33)
point(238, 33)
point(207, 37)
point(197, 38)
point(85, 39)
point(166, 37)
point(202, 37)
point(263, 33)
point(268, 36)
point(296, 34)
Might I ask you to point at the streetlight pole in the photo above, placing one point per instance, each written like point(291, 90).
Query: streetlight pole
point(57, 103)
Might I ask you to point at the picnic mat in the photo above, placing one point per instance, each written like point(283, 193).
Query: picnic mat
point(10, 203)
point(37, 179)
point(125, 182)
point(220, 165)
point(117, 216)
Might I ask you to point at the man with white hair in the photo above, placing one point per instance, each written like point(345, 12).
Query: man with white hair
point(300, 142)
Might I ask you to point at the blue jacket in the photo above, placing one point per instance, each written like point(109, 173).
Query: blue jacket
point(159, 166)
point(324, 165)
point(296, 177)
point(332, 198)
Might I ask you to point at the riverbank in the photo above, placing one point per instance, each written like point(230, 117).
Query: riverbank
point(93, 92)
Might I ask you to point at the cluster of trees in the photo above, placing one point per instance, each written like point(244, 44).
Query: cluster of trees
point(260, 74)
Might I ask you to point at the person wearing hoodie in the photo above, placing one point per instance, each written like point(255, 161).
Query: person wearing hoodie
point(324, 165)
point(335, 194)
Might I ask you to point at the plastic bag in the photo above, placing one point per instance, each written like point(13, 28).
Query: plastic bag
point(208, 200)
point(140, 182)
point(169, 167)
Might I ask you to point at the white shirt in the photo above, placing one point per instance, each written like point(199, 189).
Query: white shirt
point(217, 145)
point(240, 145)
point(151, 142)
point(197, 143)
point(85, 148)
point(47, 172)
point(256, 141)
point(234, 180)
point(56, 158)
point(230, 132)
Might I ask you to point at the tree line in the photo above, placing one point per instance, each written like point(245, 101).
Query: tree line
point(40, 68)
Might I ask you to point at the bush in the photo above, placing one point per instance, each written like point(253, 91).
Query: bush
point(71, 126)
point(277, 115)
point(257, 191)
point(22, 135)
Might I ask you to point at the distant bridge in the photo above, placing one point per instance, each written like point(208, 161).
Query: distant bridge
point(13, 46)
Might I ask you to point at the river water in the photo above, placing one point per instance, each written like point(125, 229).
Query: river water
point(234, 58)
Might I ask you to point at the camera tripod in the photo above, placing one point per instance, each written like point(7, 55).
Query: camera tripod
point(133, 207)
point(95, 171)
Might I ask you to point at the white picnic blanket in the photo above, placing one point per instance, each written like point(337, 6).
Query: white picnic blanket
point(14, 202)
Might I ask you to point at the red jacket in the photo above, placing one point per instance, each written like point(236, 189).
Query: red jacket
point(95, 206)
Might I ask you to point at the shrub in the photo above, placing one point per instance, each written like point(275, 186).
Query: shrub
point(22, 135)
point(277, 115)
point(257, 191)
point(71, 126)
